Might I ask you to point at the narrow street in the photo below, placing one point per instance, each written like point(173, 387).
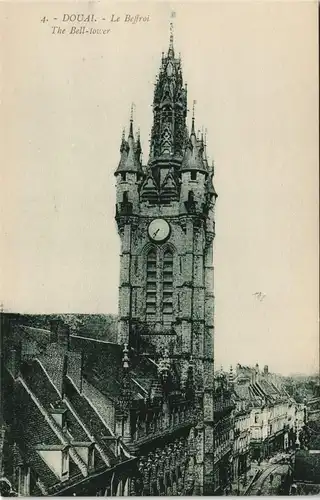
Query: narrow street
point(269, 478)
point(264, 485)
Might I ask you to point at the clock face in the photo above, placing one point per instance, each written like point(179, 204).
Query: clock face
point(159, 230)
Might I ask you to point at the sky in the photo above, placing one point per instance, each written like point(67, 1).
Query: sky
point(252, 68)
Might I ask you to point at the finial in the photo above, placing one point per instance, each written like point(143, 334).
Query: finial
point(164, 365)
point(193, 106)
point(131, 120)
point(123, 141)
point(171, 51)
point(125, 358)
point(204, 143)
point(171, 35)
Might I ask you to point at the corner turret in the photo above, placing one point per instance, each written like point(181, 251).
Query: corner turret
point(129, 173)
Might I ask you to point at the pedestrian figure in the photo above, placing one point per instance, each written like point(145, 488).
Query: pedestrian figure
point(259, 492)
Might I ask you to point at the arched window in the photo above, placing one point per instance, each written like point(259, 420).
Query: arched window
point(167, 300)
point(151, 285)
point(191, 197)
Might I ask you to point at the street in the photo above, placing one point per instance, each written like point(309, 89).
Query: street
point(263, 479)
point(269, 482)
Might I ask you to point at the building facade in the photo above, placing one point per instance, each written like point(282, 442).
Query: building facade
point(165, 218)
point(223, 435)
point(242, 435)
point(274, 415)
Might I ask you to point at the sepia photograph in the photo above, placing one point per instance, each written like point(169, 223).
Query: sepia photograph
point(159, 239)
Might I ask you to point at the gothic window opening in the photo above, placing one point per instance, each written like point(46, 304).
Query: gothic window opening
point(151, 285)
point(193, 176)
point(191, 197)
point(190, 204)
point(123, 176)
point(125, 198)
point(167, 302)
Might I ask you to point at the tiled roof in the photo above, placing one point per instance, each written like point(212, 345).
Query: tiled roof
point(92, 421)
point(35, 403)
point(39, 335)
point(31, 429)
point(101, 364)
point(243, 391)
point(102, 367)
point(145, 373)
point(268, 389)
point(39, 383)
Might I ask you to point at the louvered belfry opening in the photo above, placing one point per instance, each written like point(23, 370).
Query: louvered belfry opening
point(151, 285)
point(167, 303)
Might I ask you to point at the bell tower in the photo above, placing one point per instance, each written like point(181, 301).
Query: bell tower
point(165, 219)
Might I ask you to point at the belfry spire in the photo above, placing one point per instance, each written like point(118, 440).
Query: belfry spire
point(169, 109)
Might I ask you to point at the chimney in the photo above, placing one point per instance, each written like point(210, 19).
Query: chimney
point(54, 326)
point(60, 333)
point(265, 370)
point(63, 335)
point(14, 360)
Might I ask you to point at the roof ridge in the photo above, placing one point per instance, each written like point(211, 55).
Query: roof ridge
point(93, 339)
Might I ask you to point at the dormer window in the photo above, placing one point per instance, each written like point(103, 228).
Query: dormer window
point(86, 452)
point(59, 415)
point(57, 459)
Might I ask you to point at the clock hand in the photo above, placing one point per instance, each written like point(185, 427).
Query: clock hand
point(155, 234)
